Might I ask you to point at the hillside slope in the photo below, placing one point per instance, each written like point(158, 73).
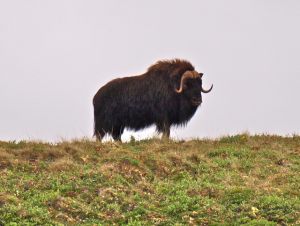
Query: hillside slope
point(250, 180)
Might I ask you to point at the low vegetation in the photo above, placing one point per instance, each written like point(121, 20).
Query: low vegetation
point(236, 180)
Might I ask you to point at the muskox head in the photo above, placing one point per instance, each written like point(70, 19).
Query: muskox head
point(191, 87)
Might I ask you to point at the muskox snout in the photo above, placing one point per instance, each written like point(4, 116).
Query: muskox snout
point(196, 101)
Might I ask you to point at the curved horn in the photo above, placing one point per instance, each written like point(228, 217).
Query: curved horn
point(187, 74)
point(207, 91)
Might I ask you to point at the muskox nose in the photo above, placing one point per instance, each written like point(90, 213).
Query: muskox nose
point(200, 74)
point(196, 101)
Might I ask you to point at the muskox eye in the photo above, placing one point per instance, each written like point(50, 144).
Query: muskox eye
point(190, 82)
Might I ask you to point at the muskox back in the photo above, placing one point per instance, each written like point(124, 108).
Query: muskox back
point(140, 101)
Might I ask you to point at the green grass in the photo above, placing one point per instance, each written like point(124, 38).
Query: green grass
point(236, 180)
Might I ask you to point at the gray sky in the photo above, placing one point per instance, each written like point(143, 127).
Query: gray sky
point(55, 55)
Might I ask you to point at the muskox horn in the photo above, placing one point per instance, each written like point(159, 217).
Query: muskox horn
point(206, 91)
point(187, 74)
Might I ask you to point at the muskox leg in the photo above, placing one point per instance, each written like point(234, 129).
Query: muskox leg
point(99, 135)
point(117, 133)
point(166, 133)
point(163, 128)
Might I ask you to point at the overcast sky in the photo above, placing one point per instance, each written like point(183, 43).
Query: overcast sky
point(56, 54)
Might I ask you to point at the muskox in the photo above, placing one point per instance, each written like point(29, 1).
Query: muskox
point(168, 94)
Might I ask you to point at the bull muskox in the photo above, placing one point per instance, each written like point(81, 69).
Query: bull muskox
point(168, 94)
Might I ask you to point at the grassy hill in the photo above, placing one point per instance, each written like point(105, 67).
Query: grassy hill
point(237, 180)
